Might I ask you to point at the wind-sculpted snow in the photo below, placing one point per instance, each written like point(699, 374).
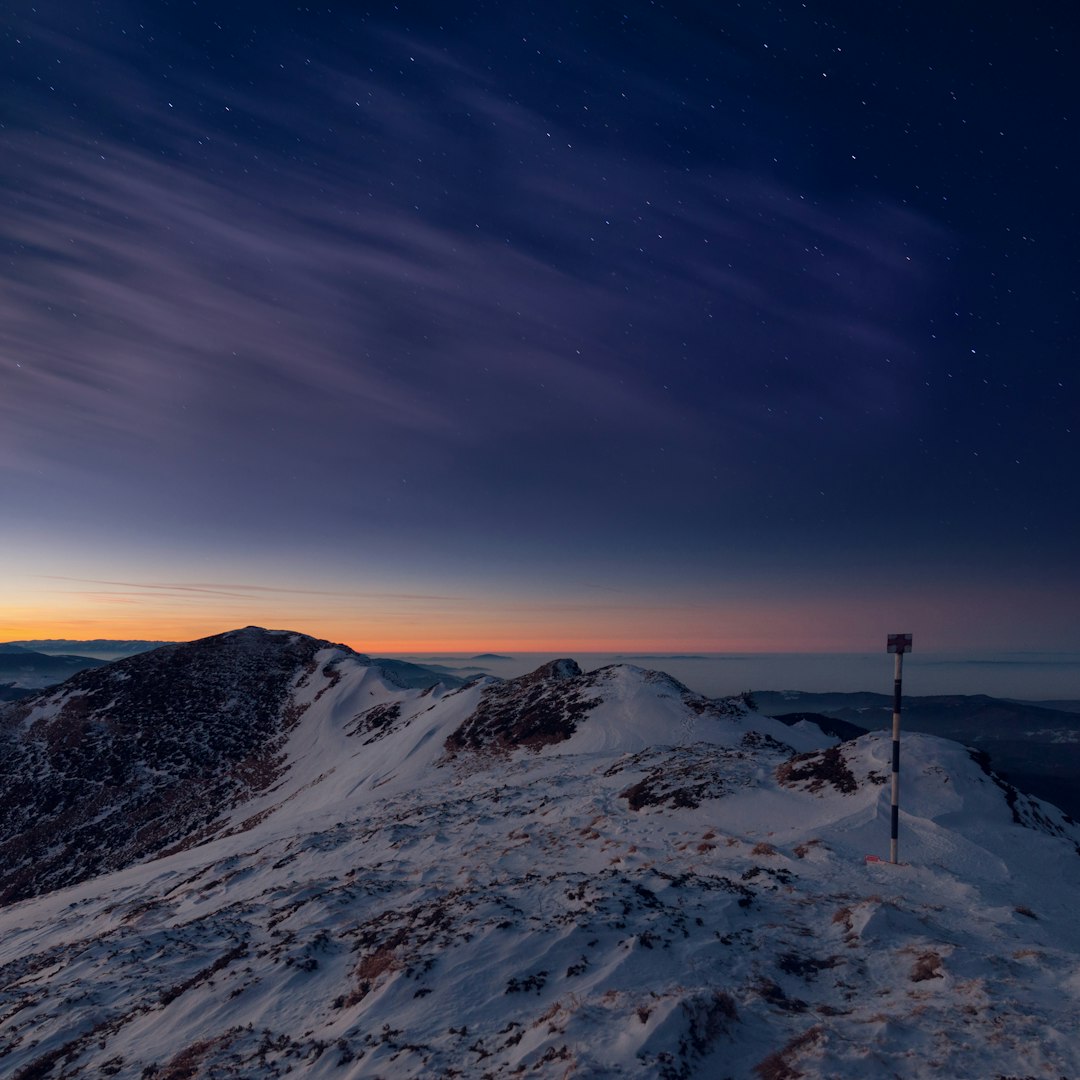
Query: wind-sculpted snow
point(527, 920)
point(700, 771)
point(652, 895)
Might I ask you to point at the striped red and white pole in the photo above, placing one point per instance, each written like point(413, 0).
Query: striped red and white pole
point(898, 644)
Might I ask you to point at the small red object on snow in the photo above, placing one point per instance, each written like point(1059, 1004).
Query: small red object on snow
point(872, 858)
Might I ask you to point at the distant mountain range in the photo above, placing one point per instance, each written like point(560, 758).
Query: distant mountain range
point(22, 670)
point(262, 854)
point(99, 648)
point(1036, 747)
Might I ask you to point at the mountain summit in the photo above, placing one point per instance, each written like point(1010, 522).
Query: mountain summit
point(262, 853)
point(126, 761)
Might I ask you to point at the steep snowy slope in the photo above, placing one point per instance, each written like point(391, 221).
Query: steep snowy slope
point(569, 874)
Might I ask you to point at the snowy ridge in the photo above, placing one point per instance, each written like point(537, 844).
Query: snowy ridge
point(646, 883)
point(131, 760)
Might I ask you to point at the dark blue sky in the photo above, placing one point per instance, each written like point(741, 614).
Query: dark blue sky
point(688, 324)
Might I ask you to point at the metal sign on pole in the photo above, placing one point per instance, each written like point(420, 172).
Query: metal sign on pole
point(898, 644)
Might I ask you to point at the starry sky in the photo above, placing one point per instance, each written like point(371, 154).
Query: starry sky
point(667, 325)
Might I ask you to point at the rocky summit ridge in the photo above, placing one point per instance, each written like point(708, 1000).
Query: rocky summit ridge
point(263, 854)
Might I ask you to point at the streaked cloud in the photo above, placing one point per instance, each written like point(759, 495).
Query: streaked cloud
point(407, 309)
point(246, 591)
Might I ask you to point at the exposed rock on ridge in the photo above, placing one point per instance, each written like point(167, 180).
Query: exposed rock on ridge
point(534, 710)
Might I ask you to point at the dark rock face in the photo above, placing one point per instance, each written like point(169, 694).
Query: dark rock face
point(375, 723)
point(534, 710)
point(120, 764)
point(812, 771)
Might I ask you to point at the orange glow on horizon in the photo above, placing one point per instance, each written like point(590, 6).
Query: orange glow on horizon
point(848, 617)
point(588, 639)
point(472, 625)
point(90, 629)
point(568, 645)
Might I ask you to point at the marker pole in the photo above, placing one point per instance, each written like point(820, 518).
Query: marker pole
point(899, 644)
point(895, 829)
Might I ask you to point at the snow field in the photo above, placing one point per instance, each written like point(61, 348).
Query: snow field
point(391, 909)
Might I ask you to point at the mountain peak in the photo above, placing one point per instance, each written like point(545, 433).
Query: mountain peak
point(557, 669)
point(147, 751)
point(558, 702)
point(533, 711)
point(260, 635)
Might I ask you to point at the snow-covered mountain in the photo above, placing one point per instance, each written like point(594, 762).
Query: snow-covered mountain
point(127, 761)
point(262, 853)
point(1037, 747)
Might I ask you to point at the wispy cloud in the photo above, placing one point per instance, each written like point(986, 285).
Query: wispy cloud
point(392, 307)
point(343, 294)
point(247, 591)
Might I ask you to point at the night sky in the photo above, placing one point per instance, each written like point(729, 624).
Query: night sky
point(682, 325)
